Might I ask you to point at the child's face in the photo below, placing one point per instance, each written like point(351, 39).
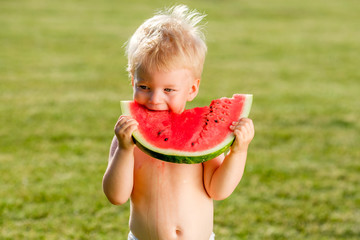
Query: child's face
point(158, 90)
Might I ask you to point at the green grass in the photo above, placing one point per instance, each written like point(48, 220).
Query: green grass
point(62, 74)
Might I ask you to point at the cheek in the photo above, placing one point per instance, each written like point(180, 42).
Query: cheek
point(177, 104)
point(139, 96)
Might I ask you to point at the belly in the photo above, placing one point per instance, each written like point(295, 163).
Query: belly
point(169, 201)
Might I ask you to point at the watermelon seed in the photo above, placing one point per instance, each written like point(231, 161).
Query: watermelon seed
point(192, 144)
point(166, 139)
point(216, 121)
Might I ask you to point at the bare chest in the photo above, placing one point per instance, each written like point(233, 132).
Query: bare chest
point(152, 175)
point(169, 199)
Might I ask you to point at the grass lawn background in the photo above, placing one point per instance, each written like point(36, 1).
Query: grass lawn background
point(62, 75)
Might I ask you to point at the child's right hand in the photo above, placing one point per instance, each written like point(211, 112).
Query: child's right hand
point(124, 128)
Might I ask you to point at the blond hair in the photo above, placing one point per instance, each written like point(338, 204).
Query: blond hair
point(171, 39)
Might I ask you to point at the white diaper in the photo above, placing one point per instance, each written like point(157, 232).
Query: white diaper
point(132, 237)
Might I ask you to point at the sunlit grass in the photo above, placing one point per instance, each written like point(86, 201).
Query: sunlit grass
point(62, 75)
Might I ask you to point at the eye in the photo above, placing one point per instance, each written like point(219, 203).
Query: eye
point(143, 87)
point(168, 90)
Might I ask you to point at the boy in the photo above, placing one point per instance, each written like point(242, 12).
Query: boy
point(170, 201)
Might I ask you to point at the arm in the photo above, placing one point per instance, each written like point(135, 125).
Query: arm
point(222, 175)
point(118, 177)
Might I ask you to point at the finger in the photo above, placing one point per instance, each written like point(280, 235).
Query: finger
point(237, 125)
point(126, 131)
point(124, 116)
point(123, 125)
point(129, 123)
point(129, 129)
point(246, 128)
point(123, 120)
point(245, 120)
point(250, 126)
point(120, 121)
point(242, 121)
point(241, 132)
point(237, 133)
point(239, 137)
point(242, 126)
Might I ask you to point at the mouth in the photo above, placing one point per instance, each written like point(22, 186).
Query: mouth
point(156, 108)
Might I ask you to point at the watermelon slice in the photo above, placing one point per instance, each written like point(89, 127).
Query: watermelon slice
point(194, 136)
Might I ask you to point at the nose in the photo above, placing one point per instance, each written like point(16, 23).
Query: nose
point(155, 97)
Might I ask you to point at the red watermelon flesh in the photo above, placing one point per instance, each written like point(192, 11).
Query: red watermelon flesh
point(194, 131)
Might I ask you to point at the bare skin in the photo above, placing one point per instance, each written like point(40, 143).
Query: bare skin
point(170, 201)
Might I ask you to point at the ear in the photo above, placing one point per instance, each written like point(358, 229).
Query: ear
point(132, 80)
point(194, 89)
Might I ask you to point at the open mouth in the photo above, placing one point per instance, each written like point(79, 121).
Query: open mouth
point(156, 108)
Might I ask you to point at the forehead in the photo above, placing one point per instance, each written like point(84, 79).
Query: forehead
point(174, 77)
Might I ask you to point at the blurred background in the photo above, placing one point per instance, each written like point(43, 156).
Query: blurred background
point(62, 75)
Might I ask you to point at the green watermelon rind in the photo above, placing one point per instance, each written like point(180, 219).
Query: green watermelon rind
point(187, 159)
point(177, 156)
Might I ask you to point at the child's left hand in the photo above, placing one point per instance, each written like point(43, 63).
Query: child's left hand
point(244, 133)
